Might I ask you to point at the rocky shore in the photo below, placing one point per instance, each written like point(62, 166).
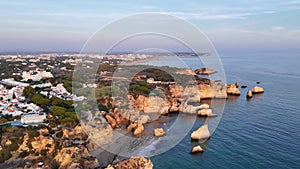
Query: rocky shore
point(130, 114)
point(132, 163)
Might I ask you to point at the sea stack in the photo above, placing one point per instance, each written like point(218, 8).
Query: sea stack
point(201, 133)
point(233, 90)
point(206, 112)
point(256, 90)
point(197, 149)
point(159, 132)
point(205, 71)
point(244, 86)
point(249, 94)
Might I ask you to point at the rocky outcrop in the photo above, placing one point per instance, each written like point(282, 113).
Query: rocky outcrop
point(112, 122)
point(249, 94)
point(213, 90)
point(205, 71)
point(232, 89)
point(44, 132)
point(192, 93)
point(97, 135)
point(159, 132)
point(132, 126)
point(206, 113)
point(201, 133)
point(43, 143)
point(75, 157)
point(189, 109)
point(257, 90)
point(204, 110)
point(143, 109)
point(187, 71)
point(205, 89)
point(133, 163)
point(197, 149)
point(204, 106)
point(151, 104)
point(77, 133)
point(143, 119)
point(139, 129)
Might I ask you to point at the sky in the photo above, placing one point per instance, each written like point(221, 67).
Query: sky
point(231, 25)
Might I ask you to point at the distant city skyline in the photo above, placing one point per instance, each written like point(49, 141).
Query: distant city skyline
point(249, 25)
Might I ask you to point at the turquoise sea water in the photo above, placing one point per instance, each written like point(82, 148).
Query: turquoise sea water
point(263, 132)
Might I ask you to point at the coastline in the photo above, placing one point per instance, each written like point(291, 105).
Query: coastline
point(143, 60)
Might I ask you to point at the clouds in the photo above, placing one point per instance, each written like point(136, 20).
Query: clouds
point(242, 20)
point(277, 28)
point(209, 16)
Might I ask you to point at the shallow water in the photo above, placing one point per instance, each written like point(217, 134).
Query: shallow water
point(263, 132)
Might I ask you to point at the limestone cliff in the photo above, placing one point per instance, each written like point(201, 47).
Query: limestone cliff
point(133, 163)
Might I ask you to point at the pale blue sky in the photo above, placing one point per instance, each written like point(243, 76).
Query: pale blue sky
point(262, 25)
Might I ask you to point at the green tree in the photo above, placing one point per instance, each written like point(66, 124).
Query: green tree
point(28, 92)
point(62, 103)
point(32, 134)
point(140, 88)
point(57, 110)
point(44, 152)
point(4, 155)
point(23, 154)
point(40, 100)
point(14, 145)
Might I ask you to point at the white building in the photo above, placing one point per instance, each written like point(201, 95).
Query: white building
point(43, 85)
point(36, 75)
point(12, 82)
point(33, 118)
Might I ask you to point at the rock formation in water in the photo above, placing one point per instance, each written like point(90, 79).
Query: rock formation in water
point(249, 94)
point(159, 132)
point(205, 71)
point(140, 109)
point(232, 89)
point(206, 112)
point(256, 90)
point(244, 86)
point(201, 133)
point(204, 106)
point(186, 71)
point(197, 149)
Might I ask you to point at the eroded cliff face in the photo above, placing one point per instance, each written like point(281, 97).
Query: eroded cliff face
point(75, 157)
point(213, 90)
point(142, 109)
point(43, 143)
point(98, 136)
point(133, 163)
point(151, 104)
point(76, 133)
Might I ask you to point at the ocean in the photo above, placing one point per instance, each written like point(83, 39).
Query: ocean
point(263, 132)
